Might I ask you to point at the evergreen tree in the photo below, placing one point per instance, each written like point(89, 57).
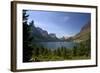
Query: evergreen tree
point(27, 50)
point(75, 51)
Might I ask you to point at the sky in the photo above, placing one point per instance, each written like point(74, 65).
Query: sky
point(60, 23)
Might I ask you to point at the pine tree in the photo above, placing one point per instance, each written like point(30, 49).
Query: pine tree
point(27, 50)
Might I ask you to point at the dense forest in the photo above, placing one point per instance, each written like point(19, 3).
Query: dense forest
point(34, 53)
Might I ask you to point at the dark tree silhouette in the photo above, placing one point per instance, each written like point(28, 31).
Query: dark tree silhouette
point(27, 50)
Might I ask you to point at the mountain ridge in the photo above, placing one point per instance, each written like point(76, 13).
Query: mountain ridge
point(39, 34)
point(42, 35)
point(84, 33)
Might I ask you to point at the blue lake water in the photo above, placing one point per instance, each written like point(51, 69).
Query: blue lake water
point(54, 45)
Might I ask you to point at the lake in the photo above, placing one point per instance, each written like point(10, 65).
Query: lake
point(54, 45)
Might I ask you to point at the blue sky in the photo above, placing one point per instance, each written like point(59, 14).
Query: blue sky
point(60, 23)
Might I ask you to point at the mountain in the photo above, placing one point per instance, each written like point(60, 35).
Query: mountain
point(65, 38)
point(52, 35)
point(42, 32)
point(84, 33)
point(39, 34)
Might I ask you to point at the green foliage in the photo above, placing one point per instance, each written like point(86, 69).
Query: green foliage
point(83, 49)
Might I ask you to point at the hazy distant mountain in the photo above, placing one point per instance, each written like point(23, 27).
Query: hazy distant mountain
point(52, 35)
point(66, 38)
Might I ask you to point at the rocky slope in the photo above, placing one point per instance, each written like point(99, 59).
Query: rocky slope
point(84, 33)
